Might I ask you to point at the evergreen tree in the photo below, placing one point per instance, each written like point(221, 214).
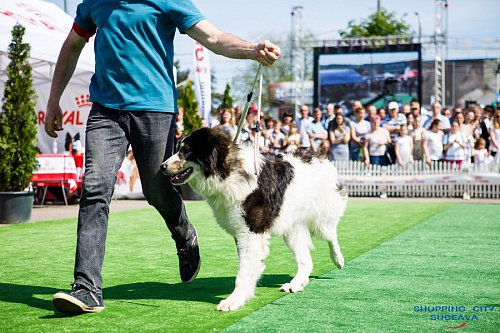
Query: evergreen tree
point(227, 100)
point(191, 119)
point(18, 131)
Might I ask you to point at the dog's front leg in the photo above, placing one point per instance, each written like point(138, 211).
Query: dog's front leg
point(252, 250)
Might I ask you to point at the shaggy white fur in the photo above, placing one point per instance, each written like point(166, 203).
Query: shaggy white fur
point(312, 204)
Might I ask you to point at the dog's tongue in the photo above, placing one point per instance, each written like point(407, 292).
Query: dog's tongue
point(181, 176)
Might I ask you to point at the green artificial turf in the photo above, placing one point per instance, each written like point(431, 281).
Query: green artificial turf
point(451, 260)
point(141, 283)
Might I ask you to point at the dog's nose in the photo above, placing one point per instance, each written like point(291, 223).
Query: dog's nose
point(163, 167)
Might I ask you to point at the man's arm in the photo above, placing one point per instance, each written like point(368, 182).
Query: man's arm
point(65, 67)
point(230, 46)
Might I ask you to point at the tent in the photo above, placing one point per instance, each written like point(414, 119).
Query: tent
point(340, 76)
point(47, 26)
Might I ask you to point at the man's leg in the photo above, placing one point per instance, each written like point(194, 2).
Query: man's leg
point(152, 135)
point(105, 148)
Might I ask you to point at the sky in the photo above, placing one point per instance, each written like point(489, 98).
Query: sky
point(471, 23)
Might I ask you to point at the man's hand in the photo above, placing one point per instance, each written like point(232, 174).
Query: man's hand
point(267, 53)
point(53, 119)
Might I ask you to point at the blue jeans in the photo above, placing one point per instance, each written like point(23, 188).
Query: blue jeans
point(108, 135)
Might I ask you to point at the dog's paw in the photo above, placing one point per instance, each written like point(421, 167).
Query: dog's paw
point(339, 261)
point(294, 287)
point(231, 303)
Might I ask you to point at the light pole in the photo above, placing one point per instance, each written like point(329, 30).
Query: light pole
point(419, 27)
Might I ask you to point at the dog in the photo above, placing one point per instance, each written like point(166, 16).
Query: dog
point(286, 195)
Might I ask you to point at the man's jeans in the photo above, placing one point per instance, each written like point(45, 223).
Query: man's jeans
point(109, 133)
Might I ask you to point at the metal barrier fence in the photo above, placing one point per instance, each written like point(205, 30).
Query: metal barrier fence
point(440, 179)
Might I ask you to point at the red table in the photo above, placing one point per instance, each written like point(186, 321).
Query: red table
point(58, 170)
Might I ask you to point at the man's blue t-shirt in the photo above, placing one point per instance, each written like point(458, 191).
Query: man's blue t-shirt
point(134, 50)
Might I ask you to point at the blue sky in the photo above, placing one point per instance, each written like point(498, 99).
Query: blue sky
point(470, 21)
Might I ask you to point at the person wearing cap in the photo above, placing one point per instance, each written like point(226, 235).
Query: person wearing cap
point(393, 125)
point(134, 103)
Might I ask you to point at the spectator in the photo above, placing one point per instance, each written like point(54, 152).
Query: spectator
point(415, 111)
point(447, 113)
point(356, 104)
point(480, 153)
point(302, 124)
point(292, 141)
point(317, 134)
point(454, 145)
point(410, 121)
point(417, 135)
point(485, 124)
point(329, 115)
point(237, 113)
point(339, 109)
point(276, 138)
point(227, 122)
point(339, 135)
point(404, 147)
point(392, 125)
point(382, 113)
point(406, 109)
point(436, 114)
point(372, 111)
point(376, 142)
point(495, 134)
point(262, 144)
point(287, 122)
point(359, 128)
point(433, 143)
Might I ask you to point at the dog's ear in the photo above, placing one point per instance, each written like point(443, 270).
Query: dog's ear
point(211, 165)
point(67, 141)
point(77, 136)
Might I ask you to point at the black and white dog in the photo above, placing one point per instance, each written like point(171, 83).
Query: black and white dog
point(291, 196)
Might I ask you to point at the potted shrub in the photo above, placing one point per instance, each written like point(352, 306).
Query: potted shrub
point(18, 134)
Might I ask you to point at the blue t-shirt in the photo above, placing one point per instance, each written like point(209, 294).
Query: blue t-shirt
point(134, 50)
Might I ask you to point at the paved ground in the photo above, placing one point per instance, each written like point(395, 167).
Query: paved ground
point(54, 212)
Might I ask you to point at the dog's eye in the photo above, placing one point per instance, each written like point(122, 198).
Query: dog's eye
point(185, 150)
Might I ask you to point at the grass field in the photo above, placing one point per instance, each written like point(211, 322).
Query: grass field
point(141, 283)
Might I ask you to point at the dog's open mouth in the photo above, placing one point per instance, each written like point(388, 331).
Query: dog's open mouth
point(180, 178)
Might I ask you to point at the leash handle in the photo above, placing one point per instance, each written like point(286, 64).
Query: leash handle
point(247, 105)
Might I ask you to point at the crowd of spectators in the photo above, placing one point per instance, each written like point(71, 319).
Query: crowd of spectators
point(398, 134)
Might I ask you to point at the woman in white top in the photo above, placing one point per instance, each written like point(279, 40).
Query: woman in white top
point(433, 142)
point(376, 142)
point(455, 144)
point(495, 134)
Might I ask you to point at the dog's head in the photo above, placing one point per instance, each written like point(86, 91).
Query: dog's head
point(205, 151)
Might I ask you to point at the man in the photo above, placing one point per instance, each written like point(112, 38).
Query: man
point(329, 115)
point(396, 120)
point(134, 103)
point(302, 124)
point(436, 114)
point(315, 131)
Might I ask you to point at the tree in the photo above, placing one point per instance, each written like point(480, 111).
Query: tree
point(380, 23)
point(187, 101)
point(18, 130)
point(227, 100)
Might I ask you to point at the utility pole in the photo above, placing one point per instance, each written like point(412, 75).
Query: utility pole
point(378, 6)
point(440, 36)
point(298, 61)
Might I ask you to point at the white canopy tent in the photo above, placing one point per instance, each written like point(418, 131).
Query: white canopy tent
point(47, 26)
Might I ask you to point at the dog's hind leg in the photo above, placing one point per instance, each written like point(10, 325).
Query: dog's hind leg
point(299, 242)
point(252, 250)
point(329, 233)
